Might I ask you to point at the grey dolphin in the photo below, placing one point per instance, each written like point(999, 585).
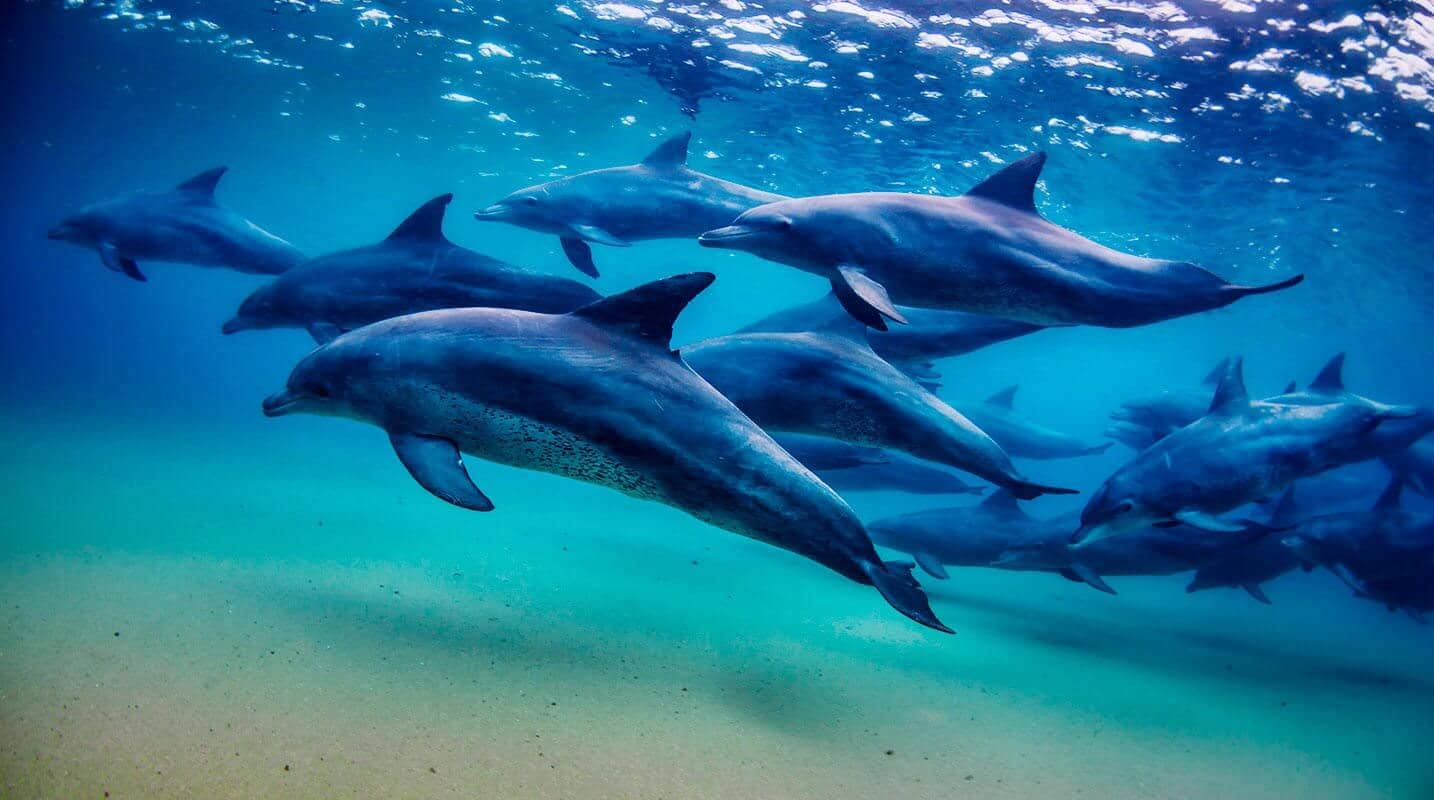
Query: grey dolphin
point(1022, 438)
point(1391, 437)
point(182, 225)
point(1251, 565)
point(965, 536)
point(415, 269)
point(850, 467)
point(595, 395)
point(988, 251)
point(1161, 414)
point(929, 335)
point(659, 198)
point(831, 383)
point(1239, 452)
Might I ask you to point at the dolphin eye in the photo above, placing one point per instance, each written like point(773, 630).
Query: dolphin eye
point(532, 201)
point(1125, 507)
point(321, 391)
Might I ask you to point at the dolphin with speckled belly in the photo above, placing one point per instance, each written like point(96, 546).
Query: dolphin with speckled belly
point(831, 383)
point(183, 225)
point(415, 269)
point(659, 198)
point(987, 251)
point(596, 395)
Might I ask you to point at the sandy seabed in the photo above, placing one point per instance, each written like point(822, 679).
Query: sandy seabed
point(224, 638)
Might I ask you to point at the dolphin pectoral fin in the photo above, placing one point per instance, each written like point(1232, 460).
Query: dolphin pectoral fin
point(593, 233)
point(1254, 590)
point(931, 566)
point(580, 255)
point(893, 579)
point(864, 298)
point(438, 467)
point(1207, 522)
point(1083, 574)
point(111, 258)
point(324, 332)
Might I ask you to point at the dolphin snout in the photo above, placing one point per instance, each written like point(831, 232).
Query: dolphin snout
point(234, 326)
point(279, 403)
point(493, 212)
point(57, 233)
point(722, 236)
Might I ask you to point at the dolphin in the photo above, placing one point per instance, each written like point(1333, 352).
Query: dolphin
point(1136, 437)
point(1415, 464)
point(659, 198)
point(967, 536)
point(831, 383)
point(849, 467)
point(1166, 412)
point(929, 335)
point(183, 225)
point(1022, 438)
point(1391, 437)
point(987, 251)
point(415, 269)
point(1255, 563)
point(1239, 452)
point(596, 395)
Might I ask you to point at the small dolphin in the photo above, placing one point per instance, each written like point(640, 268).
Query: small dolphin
point(1022, 438)
point(183, 225)
point(1255, 563)
point(968, 536)
point(595, 395)
point(929, 335)
point(415, 269)
point(987, 251)
point(831, 383)
point(1391, 437)
point(1239, 452)
point(660, 198)
point(849, 467)
point(1169, 411)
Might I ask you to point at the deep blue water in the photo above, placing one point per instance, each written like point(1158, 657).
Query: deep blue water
point(1258, 139)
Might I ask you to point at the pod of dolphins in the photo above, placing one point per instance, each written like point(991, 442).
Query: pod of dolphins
point(451, 352)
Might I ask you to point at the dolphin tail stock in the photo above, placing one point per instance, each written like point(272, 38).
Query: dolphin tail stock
point(893, 579)
point(1028, 490)
point(1245, 291)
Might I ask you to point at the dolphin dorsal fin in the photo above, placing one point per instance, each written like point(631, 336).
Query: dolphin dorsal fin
point(1330, 379)
point(1212, 378)
point(1389, 498)
point(201, 186)
point(424, 224)
point(1291, 388)
point(1231, 396)
point(1014, 185)
point(1006, 398)
point(1286, 509)
point(671, 153)
point(649, 310)
point(1001, 500)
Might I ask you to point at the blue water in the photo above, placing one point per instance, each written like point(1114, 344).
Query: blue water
point(147, 491)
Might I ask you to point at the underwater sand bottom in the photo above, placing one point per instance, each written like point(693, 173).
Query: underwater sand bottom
point(187, 676)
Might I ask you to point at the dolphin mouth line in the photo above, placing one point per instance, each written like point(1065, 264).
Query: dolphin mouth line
point(720, 236)
point(279, 403)
point(491, 212)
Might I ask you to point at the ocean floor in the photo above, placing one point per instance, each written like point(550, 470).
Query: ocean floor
point(290, 617)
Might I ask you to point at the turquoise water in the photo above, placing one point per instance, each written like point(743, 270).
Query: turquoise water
point(200, 601)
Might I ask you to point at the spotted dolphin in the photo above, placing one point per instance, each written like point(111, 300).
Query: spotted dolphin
point(659, 198)
point(1021, 437)
point(183, 225)
point(1392, 437)
point(1240, 452)
point(964, 536)
point(831, 383)
point(849, 467)
point(415, 269)
point(987, 251)
point(596, 395)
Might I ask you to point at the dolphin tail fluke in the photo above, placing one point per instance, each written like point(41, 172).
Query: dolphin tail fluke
point(1026, 490)
point(1246, 291)
point(893, 579)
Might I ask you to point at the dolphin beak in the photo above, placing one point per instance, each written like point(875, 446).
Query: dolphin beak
point(279, 403)
point(723, 237)
point(497, 211)
point(56, 234)
point(233, 326)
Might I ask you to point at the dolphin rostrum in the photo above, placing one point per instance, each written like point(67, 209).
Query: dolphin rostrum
point(182, 225)
point(596, 395)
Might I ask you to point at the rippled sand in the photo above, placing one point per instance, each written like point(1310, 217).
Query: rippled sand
point(318, 628)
